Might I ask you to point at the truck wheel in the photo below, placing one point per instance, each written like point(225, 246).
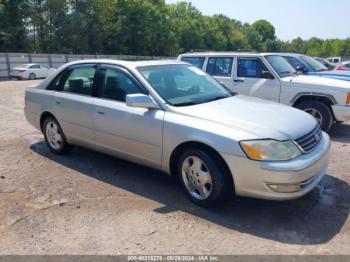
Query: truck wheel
point(54, 136)
point(320, 111)
point(202, 177)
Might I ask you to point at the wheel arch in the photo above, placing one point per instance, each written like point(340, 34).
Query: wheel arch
point(43, 116)
point(328, 100)
point(176, 153)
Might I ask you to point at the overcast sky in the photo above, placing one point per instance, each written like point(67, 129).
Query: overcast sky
point(291, 18)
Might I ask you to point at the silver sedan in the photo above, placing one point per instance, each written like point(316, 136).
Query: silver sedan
point(172, 116)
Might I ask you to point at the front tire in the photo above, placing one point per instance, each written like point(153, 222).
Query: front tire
point(54, 136)
point(203, 178)
point(320, 111)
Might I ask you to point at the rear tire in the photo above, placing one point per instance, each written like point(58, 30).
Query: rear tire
point(54, 136)
point(203, 179)
point(320, 111)
point(32, 76)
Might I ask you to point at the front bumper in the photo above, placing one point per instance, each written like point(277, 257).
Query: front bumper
point(341, 113)
point(296, 177)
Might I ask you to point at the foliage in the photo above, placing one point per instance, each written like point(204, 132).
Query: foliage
point(139, 27)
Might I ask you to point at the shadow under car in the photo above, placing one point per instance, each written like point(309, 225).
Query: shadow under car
point(313, 219)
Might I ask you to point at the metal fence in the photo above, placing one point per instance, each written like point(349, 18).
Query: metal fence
point(10, 60)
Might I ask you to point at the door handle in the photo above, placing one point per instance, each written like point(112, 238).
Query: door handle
point(238, 80)
point(58, 102)
point(100, 113)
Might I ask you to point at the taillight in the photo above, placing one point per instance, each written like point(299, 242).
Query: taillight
point(22, 71)
point(341, 68)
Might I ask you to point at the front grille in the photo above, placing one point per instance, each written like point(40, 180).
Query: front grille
point(309, 141)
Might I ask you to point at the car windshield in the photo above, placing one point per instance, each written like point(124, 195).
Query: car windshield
point(313, 63)
point(183, 85)
point(280, 65)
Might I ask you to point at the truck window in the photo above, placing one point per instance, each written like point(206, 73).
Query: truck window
point(220, 66)
point(250, 67)
point(197, 61)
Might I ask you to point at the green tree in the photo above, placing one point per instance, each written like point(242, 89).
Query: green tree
point(265, 30)
point(13, 33)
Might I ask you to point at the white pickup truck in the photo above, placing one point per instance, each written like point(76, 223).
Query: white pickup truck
point(270, 76)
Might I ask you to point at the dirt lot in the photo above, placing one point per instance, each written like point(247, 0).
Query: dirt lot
point(90, 203)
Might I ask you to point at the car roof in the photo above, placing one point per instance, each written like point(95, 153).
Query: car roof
point(191, 54)
point(125, 63)
point(237, 54)
point(284, 54)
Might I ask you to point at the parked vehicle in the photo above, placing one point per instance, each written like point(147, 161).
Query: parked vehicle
point(309, 66)
point(172, 116)
point(334, 60)
point(325, 63)
point(270, 76)
point(345, 66)
point(30, 71)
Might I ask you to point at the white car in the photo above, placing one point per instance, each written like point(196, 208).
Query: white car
point(30, 71)
point(270, 76)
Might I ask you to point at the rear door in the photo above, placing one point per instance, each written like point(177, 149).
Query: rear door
point(134, 133)
point(222, 69)
point(44, 71)
point(73, 103)
point(36, 70)
point(249, 79)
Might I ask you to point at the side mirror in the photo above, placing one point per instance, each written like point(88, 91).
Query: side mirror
point(140, 100)
point(301, 69)
point(267, 75)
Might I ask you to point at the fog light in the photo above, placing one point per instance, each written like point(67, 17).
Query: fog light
point(284, 188)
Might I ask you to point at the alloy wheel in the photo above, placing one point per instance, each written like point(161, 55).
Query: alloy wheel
point(196, 177)
point(54, 136)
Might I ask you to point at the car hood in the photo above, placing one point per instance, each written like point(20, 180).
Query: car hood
point(341, 75)
point(320, 81)
point(259, 118)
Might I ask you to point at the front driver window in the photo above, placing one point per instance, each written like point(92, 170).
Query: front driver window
point(116, 85)
point(250, 67)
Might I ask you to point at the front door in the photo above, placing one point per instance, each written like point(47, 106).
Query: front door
point(134, 133)
point(249, 79)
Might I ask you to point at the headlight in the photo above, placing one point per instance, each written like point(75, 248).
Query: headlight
point(270, 150)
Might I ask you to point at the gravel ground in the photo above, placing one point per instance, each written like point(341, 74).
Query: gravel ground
point(90, 203)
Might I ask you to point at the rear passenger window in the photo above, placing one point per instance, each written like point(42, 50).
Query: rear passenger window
point(250, 67)
point(196, 61)
point(116, 85)
point(54, 85)
point(80, 80)
point(220, 66)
